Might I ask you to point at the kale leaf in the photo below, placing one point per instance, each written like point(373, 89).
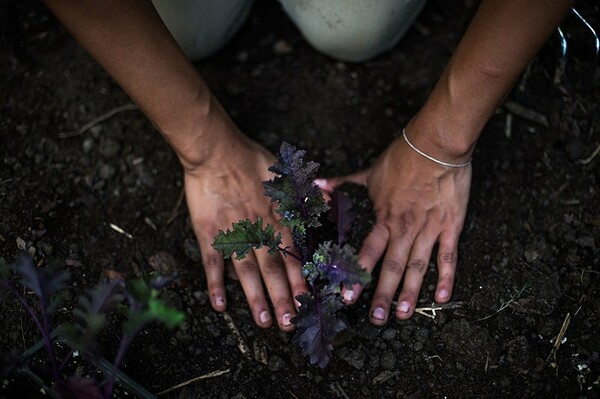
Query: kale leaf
point(244, 236)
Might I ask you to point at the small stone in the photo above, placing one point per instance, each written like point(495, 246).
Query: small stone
point(109, 148)
point(586, 242)
point(107, 171)
point(387, 361)
point(531, 255)
point(191, 249)
point(87, 145)
point(201, 297)
point(282, 47)
point(389, 334)
point(163, 262)
point(275, 363)
point(418, 346)
point(21, 244)
point(356, 358)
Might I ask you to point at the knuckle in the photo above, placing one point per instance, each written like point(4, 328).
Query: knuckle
point(212, 261)
point(271, 267)
point(248, 266)
point(447, 257)
point(368, 251)
point(416, 264)
point(392, 265)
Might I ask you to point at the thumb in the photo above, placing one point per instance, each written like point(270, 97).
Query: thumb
point(330, 184)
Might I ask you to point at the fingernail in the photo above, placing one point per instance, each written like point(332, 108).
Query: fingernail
point(443, 294)
point(349, 295)
point(404, 307)
point(378, 313)
point(219, 301)
point(320, 182)
point(286, 319)
point(264, 316)
point(297, 302)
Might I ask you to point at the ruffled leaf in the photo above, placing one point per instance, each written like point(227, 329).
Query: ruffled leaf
point(340, 265)
point(317, 326)
point(300, 200)
point(244, 236)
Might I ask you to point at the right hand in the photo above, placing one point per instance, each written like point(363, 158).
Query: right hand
point(226, 188)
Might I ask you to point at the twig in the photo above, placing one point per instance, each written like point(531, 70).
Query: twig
point(423, 311)
point(175, 210)
point(589, 159)
point(558, 340)
point(95, 121)
point(120, 230)
point(341, 390)
point(526, 113)
point(292, 393)
point(516, 295)
point(192, 380)
point(241, 342)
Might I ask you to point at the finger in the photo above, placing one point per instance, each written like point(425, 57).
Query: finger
point(293, 267)
point(416, 267)
point(446, 262)
point(248, 271)
point(392, 269)
point(275, 279)
point(329, 184)
point(372, 249)
point(214, 268)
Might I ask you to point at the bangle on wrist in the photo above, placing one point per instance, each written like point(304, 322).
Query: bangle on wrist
point(446, 164)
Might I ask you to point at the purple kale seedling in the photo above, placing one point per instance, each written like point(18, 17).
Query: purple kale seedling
point(137, 300)
point(326, 266)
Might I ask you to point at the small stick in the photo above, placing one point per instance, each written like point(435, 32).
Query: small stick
point(120, 230)
point(526, 113)
point(95, 121)
point(175, 210)
point(559, 338)
point(435, 307)
point(202, 377)
point(516, 295)
point(241, 343)
point(589, 159)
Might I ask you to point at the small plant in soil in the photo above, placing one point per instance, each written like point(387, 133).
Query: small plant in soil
point(136, 300)
point(326, 266)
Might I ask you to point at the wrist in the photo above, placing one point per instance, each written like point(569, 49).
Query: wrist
point(201, 132)
point(442, 138)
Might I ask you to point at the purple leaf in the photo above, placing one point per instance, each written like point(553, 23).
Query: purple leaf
point(341, 214)
point(340, 265)
point(300, 200)
point(317, 326)
point(77, 387)
point(43, 282)
point(103, 298)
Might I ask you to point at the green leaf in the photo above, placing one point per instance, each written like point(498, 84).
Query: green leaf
point(244, 236)
point(145, 307)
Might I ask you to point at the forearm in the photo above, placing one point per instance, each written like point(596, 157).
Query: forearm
point(132, 44)
point(501, 40)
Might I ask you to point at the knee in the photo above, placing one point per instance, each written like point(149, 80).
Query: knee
point(353, 30)
point(202, 27)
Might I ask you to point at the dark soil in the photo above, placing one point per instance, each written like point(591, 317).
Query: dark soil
point(533, 225)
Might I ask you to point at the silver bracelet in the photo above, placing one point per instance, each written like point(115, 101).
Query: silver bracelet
point(446, 164)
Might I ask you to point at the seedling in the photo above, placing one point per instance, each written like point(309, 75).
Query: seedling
point(326, 266)
point(137, 300)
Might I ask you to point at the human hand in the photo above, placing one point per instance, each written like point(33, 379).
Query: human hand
point(227, 188)
point(417, 203)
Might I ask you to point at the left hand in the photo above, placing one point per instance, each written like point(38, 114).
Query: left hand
point(417, 203)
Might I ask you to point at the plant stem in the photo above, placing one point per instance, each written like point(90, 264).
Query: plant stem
point(110, 382)
point(47, 339)
point(43, 326)
point(286, 253)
